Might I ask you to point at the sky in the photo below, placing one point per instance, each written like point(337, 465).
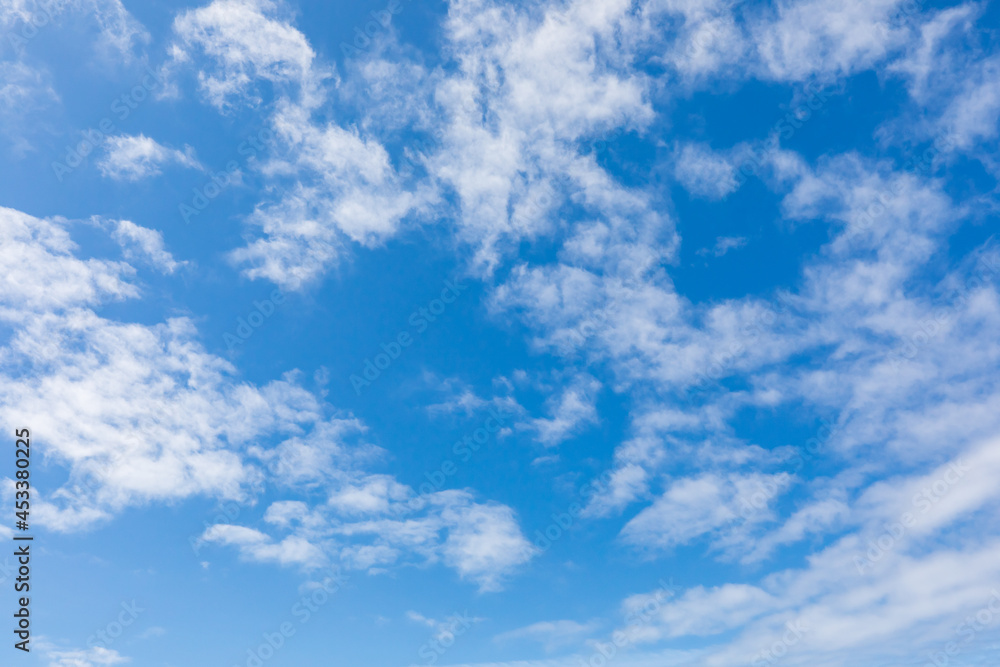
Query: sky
point(563, 333)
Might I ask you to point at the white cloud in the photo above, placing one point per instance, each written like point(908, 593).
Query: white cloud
point(25, 92)
point(974, 113)
point(922, 582)
point(372, 495)
point(142, 413)
point(246, 41)
point(347, 190)
point(132, 158)
point(828, 37)
point(704, 172)
point(139, 241)
point(927, 57)
point(692, 507)
point(574, 407)
point(445, 629)
point(484, 543)
point(787, 40)
point(257, 546)
point(58, 279)
point(91, 657)
point(512, 168)
point(724, 244)
point(905, 365)
point(551, 634)
point(372, 521)
point(344, 188)
point(119, 31)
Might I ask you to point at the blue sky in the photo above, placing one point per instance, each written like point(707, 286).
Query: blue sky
point(582, 332)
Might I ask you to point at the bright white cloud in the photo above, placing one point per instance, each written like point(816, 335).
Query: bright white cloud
point(246, 42)
point(131, 158)
point(347, 190)
point(876, 610)
point(142, 414)
point(576, 406)
point(692, 507)
point(903, 363)
point(704, 172)
point(140, 242)
point(372, 521)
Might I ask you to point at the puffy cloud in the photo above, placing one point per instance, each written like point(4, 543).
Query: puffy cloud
point(346, 190)
point(58, 279)
point(132, 158)
point(574, 407)
point(245, 40)
point(858, 595)
point(692, 507)
point(146, 243)
point(143, 413)
point(704, 172)
point(370, 522)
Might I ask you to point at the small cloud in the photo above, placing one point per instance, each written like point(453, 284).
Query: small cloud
point(447, 627)
point(724, 244)
point(257, 546)
point(95, 656)
point(576, 407)
point(139, 241)
point(154, 631)
point(704, 172)
point(131, 158)
point(417, 617)
point(551, 634)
